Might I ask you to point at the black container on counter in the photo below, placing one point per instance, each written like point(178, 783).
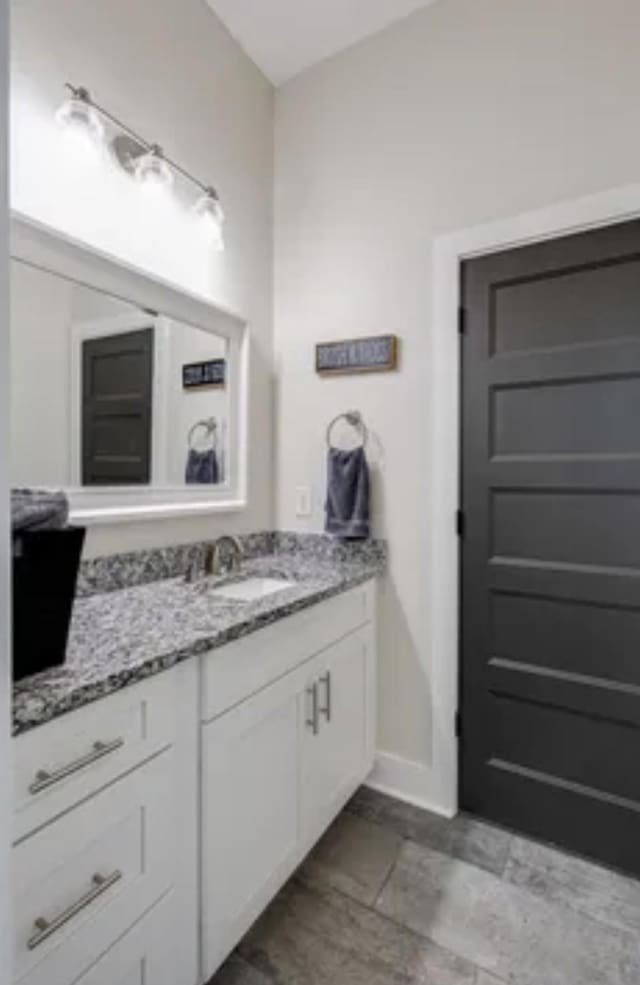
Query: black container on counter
point(45, 572)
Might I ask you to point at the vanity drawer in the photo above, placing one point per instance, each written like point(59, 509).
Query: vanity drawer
point(59, 764)
point(234, 672)
point(81, 882)
point(144, 956)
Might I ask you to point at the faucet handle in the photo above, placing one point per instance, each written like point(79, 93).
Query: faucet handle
point(193, 571)
point(234, 555)
point(239, 554)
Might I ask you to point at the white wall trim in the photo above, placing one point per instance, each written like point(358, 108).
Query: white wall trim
point(405, 780)
point(58, 253)
point(616, 205)
point(6, 779)
point(108, 515)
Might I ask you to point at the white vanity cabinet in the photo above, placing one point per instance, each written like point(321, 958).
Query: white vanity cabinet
point(105, 831)
point(152, 826)
point(278, 766)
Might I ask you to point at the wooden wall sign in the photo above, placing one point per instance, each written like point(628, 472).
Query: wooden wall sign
point(212, 373)
point(376, 354)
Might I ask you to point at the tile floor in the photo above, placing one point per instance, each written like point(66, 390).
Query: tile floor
point(393, 895)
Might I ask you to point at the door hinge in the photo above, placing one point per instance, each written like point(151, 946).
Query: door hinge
point(460, 523)
point(462, 320)
point(458, 725)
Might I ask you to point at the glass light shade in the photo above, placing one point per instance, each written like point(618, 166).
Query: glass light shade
point(78, 114)
point(152, 170)
point(211, 214)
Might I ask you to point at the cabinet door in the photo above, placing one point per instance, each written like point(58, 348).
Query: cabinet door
point(250, 761)
point(337, 744)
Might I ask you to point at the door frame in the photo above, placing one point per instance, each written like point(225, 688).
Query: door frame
point(573, 216)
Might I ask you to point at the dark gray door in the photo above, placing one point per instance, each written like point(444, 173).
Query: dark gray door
point(117, 381)
point(551, 550)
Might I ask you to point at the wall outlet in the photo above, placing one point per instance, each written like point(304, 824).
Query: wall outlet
point(303, 501)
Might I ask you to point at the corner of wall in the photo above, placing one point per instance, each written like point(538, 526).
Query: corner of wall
point(407, 780)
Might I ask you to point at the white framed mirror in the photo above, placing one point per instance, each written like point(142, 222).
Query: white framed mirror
point(126, 392)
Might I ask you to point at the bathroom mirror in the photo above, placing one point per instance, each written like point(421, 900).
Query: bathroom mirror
point(124, 393)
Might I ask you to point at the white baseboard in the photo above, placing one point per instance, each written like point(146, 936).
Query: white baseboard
point(406, 780)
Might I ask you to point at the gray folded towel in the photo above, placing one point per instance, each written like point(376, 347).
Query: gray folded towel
point(38, 509)
point(347, 506)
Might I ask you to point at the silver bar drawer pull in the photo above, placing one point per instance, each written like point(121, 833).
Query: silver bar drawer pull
point(313, 722)
point(326, 681)
point(44, 778)
point(46, 928)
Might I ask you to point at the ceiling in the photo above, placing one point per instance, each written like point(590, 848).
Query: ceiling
point(283, 37)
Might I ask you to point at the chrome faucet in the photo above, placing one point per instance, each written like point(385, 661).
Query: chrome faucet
point(214, 563)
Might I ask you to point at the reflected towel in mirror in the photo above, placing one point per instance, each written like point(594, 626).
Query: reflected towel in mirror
point(202, 467)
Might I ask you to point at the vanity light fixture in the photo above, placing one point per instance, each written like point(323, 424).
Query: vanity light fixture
point(79, 113)
point(138, 157)
point(209, 209)
point(152, 169)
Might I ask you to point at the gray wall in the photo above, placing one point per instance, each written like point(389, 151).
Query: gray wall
point(469, 111)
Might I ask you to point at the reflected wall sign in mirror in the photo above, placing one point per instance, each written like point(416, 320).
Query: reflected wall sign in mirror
point(126, 393)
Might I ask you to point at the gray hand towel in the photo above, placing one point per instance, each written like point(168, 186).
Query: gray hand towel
point(202, 468)
point(347, 506)
point(38, 509)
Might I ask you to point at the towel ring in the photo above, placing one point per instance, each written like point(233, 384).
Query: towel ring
point(354, 418)
point(209, 424)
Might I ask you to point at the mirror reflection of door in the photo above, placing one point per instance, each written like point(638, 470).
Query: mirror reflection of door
point(117, 406)
point(99, 395)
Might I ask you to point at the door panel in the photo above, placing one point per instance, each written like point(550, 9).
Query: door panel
point(567, 636)
point(567, 306)
point(588, 528)
point(566, 418)
point(117, 385)
point(550, 691)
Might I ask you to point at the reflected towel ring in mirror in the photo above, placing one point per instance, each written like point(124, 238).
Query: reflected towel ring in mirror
point(210, 427)
point(354, 418)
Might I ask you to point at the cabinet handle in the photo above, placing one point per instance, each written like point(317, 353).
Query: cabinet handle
point(326, 680)
point(44, 778)
point(313, 722)
point(45, 928)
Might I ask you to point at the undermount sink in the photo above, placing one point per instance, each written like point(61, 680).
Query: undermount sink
point(251, 589)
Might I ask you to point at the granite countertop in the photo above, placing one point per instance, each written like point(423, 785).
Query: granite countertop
point(121, 637)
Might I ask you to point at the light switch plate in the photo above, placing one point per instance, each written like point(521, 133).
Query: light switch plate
point(303, 501)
